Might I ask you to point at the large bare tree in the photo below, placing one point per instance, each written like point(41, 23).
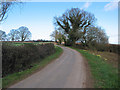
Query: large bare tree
point(73, 22)
point(24, 33)
point(13, 35)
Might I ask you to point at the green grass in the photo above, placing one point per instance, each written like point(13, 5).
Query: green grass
point(104, 75)
point(0, 83)
point(13, 78)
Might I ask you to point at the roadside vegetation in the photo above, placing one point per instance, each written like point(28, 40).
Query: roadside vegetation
point(110, 57)
point(23, 43)
point(35, 66)
point(105, 75)
point(75, 28)
point(76, 25)
point(19, 58)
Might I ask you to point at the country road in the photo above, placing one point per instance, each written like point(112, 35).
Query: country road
point(68, 71)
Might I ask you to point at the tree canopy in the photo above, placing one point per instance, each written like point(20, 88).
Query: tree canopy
point(74, 21)
point(13, 35)
point(24, 33)
point(79, 25)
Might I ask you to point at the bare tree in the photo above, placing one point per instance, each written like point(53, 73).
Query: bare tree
point(94, 35)
point(13, 35)
point(2, 35)
point(58, 36)
point(102, 38)
point(24, 33)
point(5, 6)
point(54, 35)
point(74, 21)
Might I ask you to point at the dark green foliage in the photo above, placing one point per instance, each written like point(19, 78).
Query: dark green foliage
point(18, 58)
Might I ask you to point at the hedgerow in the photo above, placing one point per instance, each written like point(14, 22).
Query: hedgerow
point(101, 47)
point(19, 58)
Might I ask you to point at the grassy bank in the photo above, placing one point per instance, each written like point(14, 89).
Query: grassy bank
point(13, 78)
point(104, 75)
point(110, 57)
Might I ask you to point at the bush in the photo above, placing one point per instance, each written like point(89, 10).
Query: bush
point(18, 58)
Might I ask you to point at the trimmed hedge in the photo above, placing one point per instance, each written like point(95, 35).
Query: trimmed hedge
point(18, 58)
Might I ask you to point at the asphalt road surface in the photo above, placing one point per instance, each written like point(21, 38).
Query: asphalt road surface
point(68, 71)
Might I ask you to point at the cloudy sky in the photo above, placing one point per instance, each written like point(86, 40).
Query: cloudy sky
point(38, 17)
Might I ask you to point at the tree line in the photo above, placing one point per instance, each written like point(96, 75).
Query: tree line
point(20, 34)
point(76, 25)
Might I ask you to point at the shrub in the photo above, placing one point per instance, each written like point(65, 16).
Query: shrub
point(18, 58)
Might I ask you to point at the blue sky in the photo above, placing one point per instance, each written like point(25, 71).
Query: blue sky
point(38, 17)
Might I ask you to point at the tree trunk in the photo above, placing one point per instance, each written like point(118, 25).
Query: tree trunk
point(73, 43)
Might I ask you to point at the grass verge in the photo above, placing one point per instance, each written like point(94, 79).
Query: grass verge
point(104, 75)
point(110, 57)
point(13, 78)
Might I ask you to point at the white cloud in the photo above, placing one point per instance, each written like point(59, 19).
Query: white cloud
point(111, 6)
point(86, 5)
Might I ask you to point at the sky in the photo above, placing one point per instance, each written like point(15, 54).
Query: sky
point(39, 16)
